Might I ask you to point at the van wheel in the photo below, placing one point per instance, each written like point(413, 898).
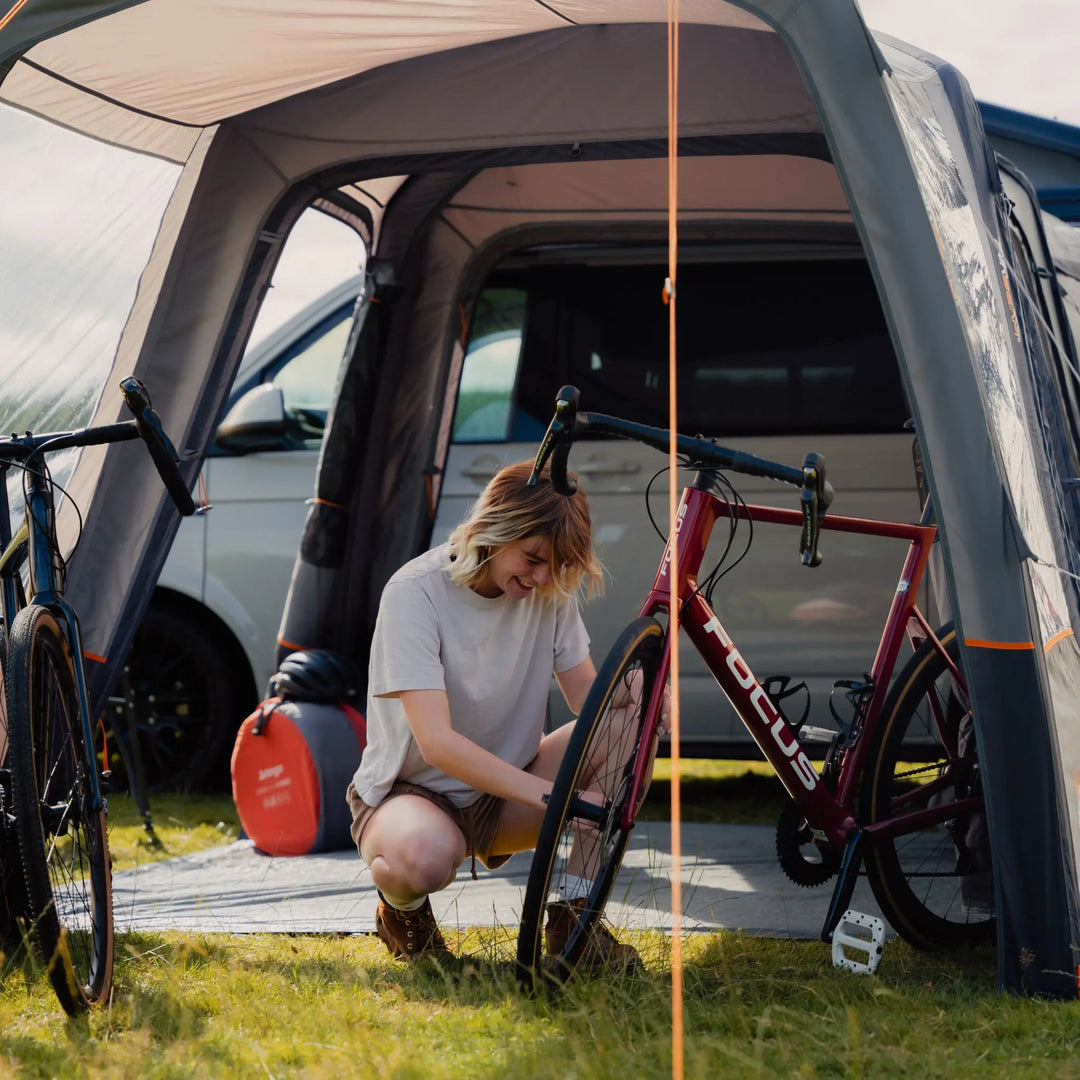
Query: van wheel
point(178, 683)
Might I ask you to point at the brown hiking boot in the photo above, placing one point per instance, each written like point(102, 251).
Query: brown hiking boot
point(410, 935)
point(601, 950)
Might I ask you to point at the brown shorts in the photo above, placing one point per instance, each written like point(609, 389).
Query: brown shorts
point(478, 821)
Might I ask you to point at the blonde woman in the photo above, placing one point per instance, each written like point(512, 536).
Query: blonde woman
point(457, 764)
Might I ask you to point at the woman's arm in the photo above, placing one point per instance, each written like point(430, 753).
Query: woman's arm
point(428, 713)
point(575, 683)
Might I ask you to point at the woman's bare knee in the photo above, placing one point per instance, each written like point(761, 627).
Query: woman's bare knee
point(412, 849)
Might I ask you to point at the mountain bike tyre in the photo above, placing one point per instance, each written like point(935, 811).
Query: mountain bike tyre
point(12, 881)
point(638, 648)
point(63, 843)
point(917, 877)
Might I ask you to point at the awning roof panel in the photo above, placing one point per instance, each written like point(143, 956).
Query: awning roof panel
point(201, 61)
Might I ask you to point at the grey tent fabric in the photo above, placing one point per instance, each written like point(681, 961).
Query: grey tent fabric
point(386, 115)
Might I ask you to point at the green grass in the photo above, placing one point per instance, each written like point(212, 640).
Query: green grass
point(736, 792)
point(329, 1006)
point(182, 825)
point(320, 1006)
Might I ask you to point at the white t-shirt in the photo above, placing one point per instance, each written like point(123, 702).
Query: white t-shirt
point(495, 659)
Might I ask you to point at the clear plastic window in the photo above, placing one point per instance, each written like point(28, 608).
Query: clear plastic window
point(79, 218)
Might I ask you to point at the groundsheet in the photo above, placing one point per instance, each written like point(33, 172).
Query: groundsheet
point(729, 874)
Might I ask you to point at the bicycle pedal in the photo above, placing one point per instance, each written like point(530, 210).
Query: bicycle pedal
point(864, 935)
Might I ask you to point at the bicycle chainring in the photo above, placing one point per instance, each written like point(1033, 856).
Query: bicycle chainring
point(803, 858)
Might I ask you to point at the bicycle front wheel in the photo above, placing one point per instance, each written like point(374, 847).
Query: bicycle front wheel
point(574, 841)
point(934, 882)
point(62, 839)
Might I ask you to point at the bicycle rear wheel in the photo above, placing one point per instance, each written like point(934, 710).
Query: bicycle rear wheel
point(599, 757)
point(934, 883)
point(62, 839)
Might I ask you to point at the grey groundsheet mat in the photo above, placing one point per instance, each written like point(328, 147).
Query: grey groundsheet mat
point(729, 874)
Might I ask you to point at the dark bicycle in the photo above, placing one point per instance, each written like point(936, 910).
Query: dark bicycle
point(900, 788)
point(57, 788)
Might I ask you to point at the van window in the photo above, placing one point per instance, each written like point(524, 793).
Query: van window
point(489, 374)
point(308, 374)
point(764, 347)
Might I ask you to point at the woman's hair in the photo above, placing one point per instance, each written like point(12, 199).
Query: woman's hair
point(509, 510)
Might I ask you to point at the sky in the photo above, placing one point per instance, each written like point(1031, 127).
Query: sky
point(1024, 54)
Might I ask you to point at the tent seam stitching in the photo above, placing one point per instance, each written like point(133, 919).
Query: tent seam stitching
point(105, 97)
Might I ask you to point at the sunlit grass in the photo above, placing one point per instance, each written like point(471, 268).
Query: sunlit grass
point(182, 825)
point(736, 792)
point(323, 1006)
point(330, 1006)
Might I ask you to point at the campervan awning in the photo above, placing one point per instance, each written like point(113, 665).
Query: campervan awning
point(176, 141)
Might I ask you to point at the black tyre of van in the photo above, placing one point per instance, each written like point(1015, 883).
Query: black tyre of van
point(178, 680)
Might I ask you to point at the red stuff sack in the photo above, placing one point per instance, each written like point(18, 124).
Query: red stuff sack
point(291, 765)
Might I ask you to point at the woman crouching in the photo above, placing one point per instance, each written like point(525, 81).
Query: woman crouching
point(457, 764)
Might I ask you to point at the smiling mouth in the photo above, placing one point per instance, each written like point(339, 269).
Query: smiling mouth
point(527, 588)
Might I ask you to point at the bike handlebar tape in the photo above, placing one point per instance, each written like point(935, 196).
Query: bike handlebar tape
point(157, 442)
point(557, 441)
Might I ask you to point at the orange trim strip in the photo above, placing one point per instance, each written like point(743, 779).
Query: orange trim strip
point(290, 645)
point(1056, 638)
point(19, 4)
point(94, 656)
point(327, 502)
point(978, 643)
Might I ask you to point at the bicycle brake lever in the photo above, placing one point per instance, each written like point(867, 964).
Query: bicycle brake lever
point(557, 440)
point(817, 495)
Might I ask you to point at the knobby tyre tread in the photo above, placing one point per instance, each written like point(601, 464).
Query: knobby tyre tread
point(637, 649)
point(934, 884)
point(63, 842)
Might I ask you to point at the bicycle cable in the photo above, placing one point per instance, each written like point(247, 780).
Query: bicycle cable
point(54, 486)
point(741, 511)
point(709, 582)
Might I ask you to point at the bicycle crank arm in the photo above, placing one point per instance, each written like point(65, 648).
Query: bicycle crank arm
point(845, 882)
point(587, 811)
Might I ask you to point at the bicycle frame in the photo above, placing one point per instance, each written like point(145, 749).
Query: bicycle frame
point(32, 546)
point(829, 813)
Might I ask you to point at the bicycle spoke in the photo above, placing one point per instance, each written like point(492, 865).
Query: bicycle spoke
point(934, 880)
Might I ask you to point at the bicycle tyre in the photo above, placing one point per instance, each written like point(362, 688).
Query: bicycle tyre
point(12, 881)
point(637, 649)
point(63, 844)
point(920, 878)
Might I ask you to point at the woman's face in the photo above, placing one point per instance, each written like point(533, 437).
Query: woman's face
point(517, 569)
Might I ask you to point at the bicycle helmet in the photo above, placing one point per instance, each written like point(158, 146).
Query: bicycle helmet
point(315, 675)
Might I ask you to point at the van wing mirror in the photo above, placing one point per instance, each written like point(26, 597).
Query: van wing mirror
point(256, 422)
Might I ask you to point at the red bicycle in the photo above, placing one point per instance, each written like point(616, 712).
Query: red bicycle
point(899, 791)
